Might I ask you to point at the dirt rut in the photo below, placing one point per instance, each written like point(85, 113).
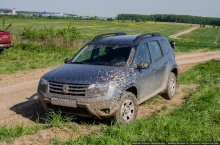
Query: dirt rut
point(175, 36)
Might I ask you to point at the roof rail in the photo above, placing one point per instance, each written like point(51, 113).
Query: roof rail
point(108, 34)
point(156, 34)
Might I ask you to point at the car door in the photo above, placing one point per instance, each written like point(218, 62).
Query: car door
point(160, 62)
point(145, 77)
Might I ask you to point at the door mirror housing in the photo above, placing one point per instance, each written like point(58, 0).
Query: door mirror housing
point(142, 65)
point(66, 60)
point(172, 43)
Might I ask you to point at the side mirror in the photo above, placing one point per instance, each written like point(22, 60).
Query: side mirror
point(66, 60)
point(142, 65)
point(172, 43)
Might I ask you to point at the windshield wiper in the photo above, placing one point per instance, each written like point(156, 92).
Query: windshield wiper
point(100, 63)
point(77, 62)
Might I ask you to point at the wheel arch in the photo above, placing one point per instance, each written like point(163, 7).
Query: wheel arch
point(133, 90)
point(175, 71)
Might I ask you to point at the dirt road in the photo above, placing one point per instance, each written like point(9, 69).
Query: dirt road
point(175, 36)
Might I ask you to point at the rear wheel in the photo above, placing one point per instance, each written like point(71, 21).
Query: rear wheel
point(127, 110)
point(171, 87)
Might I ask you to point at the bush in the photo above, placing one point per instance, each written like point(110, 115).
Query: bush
point(46, 34)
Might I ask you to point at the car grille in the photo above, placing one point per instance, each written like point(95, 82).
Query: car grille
point(68, 89)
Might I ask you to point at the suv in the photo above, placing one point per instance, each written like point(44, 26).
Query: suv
point(5, 40)
point(110, 76)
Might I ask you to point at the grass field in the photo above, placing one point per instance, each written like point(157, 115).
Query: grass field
point(202, 38)
point(28, 54)
point(94, 27)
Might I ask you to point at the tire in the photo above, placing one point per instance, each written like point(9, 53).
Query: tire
point(127, 110)
point(170, 91)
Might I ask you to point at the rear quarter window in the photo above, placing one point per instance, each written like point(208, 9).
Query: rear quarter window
point(165, 45)
point(155, 49)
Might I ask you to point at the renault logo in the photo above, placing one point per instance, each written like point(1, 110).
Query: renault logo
point(66, 89)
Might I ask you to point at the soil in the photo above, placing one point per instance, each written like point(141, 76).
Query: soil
point(18, 101)
point(175, 36)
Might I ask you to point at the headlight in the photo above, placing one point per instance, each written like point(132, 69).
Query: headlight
point(43, 85)
point(97, 90)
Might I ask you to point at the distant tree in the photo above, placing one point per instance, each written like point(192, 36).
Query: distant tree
point(110, 19)
point(170, 18)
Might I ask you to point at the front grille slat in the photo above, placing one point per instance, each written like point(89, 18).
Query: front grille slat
point(79, 93)
point(56, 87)
point(78, 89)
point(68, 89)
point(54, 90)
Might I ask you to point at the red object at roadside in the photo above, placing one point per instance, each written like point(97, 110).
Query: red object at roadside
point(5, 39)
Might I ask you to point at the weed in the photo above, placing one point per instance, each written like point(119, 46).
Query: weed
point(8, 133)
point(56, 119)
point(46, 34)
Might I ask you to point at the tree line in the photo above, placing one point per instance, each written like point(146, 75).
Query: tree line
point(171, 18)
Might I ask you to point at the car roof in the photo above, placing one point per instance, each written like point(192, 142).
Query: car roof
point(122, 38)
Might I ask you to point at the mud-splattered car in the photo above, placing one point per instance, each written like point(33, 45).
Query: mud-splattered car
point(110, 76)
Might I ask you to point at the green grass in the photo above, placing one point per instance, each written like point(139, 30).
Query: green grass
point(95, 27)
point(202, 38)
point(51, 119)
point(56, 119)
point(198, 120)
point(9, 133)
point(31, 56)
point(26, 54)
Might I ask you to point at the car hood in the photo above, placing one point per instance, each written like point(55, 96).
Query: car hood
point(87, 74)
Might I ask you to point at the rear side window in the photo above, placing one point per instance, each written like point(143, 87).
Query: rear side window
point(165, 45)
point(144, 54)
point(155, 50)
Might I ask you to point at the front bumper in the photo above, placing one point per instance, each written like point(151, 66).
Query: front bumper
point(99, 107)
point(2, 46)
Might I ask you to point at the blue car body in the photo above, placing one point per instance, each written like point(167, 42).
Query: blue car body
point(111, 79)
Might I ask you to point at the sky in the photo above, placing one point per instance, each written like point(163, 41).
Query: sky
point(110, 8)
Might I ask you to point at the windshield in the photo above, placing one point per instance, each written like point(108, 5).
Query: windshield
point(101, 54)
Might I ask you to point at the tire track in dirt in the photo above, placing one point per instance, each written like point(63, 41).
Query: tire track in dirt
point(175, 36)
point(189, 60)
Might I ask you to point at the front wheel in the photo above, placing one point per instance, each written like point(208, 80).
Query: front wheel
point(127, 110)
point(171, 87)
